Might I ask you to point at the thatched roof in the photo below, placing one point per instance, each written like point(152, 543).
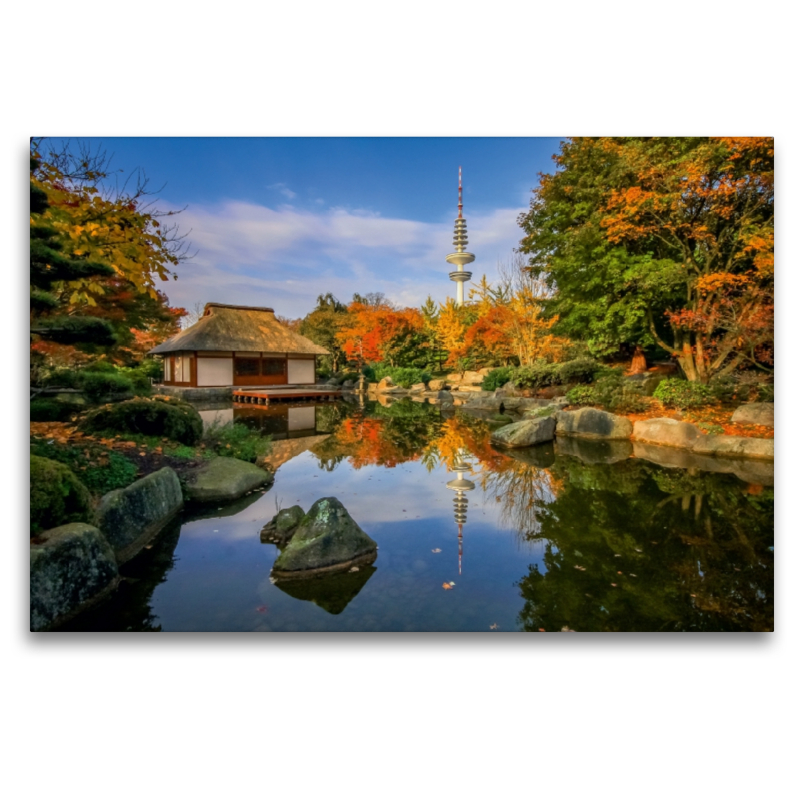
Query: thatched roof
point(227, 328)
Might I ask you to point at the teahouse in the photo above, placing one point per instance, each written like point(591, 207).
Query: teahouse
point(238, 346)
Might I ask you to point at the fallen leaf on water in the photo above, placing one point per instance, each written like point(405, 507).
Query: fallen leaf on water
point(613, 584)
point(617, 555)
point(261, 609)
point(142, 454)
point(567, 629)
point(542, 630)
point(353, 569)
point(436, 550)
point(129, 444)
point(633, 576)
point(637, 549)
point(618, 572)
point(446, 586)
point(452, 583)
point(493, 626)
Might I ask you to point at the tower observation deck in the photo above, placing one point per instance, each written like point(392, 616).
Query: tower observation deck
point(461, 256)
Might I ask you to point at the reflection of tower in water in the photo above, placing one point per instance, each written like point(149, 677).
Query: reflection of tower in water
point(460, 485)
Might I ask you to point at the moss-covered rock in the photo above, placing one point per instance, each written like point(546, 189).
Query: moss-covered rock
point(592, 423)
point(525, 433)
point(223, 479)
point(129, 518)
point(57, 496)
point(327, 539)
point(157, 416)
point(281, 527)
point(72, 567)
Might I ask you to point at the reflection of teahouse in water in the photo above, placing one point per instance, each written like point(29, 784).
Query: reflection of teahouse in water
point(460, 486)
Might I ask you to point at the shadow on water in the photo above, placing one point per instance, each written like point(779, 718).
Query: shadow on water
point(129, 608)
point(331, 593)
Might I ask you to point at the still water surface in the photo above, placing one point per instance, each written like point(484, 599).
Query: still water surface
point(549, 538)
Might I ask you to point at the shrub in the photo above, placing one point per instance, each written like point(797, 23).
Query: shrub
point(766, 393)
point(45, 409)
point(152, 368)
point(402, 376)
point(158, 416)
point(350, 376)
point(497, 378)
point(97, 386)
point(57, 496)
point(237, 440)
point(612, 392)
point(368, 371)
point(62, 378)
point(100, 366)
point(579, 370)
point(678, 393)
point(724, 388)
point(536, 376)
point(139, 379)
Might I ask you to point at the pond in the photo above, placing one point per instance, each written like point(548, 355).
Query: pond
point(576, 536)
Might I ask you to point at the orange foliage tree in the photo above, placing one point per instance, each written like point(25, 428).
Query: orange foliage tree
point(373, 333)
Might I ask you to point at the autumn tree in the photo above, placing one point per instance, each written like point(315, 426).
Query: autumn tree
point(665, 241)
point(96, 251)
point(322, 326)
point(381, 333)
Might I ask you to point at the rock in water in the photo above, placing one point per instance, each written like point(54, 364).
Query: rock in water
point(129, 518)
point(72, 568)
point(327, 539)
point(666, 432)
point(593, 423)
point(283, 525)
point(525, 433)
point(223, 479)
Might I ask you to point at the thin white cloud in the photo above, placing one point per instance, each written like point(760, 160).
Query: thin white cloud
point(284, 257)
point(283, 189)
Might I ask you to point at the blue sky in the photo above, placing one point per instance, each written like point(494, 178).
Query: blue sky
point(277, 221)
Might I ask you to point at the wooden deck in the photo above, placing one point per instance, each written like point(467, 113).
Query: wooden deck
point(266, 395)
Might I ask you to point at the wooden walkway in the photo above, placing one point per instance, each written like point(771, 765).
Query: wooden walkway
point(267, 395)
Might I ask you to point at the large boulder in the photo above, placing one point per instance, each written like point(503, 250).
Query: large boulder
point(326, 539)
point(129, 518)
point(485, 401)
point(418, 388)
point(755, 414)
point(736, 446)
point(72, 567)
point(437, 385)
point(666, 432)
point(443, 397)
point(525, 433)
point(223, 479)
point(592, 423)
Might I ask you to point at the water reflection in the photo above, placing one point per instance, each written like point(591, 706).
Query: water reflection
point(582, 535)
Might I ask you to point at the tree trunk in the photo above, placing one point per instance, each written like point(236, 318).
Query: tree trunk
point(639, 363)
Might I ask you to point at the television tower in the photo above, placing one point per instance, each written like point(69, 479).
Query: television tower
point(461, 256)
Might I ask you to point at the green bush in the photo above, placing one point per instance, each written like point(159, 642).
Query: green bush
point(158, 416)
point(579, 370)
point(57, 496)
point(402, 376)
point(237, 440)
point(536, 376)
point(612, 392)
point(62, 379)
point(100, 366)
point(97, 386)
point(152, 368)
point(679, 393)
point(724, 388)
point(139, 379)
point(368, 371)
point(46, 409)
point(497, 378)
point(766, 393)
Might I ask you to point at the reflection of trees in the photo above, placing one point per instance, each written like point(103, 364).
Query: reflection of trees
point(693, 552)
